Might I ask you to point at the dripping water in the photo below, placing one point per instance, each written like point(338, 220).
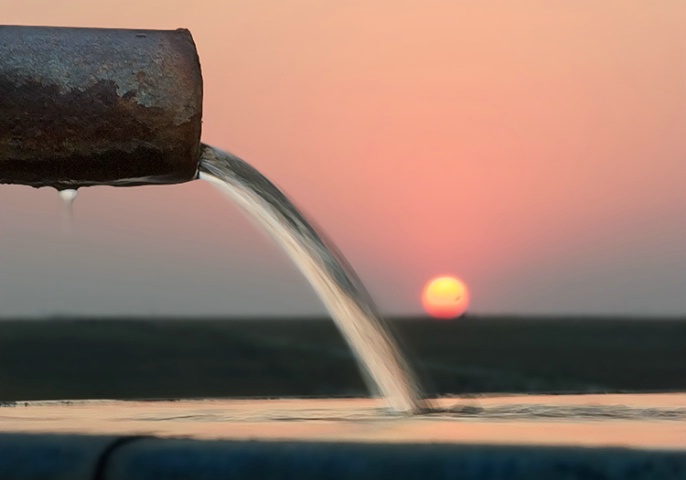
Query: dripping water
point(327, 272)
point(67, 195)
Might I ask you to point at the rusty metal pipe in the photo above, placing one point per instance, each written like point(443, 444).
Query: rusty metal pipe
point(86, 106)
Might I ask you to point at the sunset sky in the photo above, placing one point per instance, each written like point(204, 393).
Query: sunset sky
point(534, 148)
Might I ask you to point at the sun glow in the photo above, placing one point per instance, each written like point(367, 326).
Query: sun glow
point(445, 297)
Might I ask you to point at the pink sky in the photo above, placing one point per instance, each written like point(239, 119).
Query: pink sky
point(536, 149)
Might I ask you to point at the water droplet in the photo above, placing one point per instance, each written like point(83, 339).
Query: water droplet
point(68, 195)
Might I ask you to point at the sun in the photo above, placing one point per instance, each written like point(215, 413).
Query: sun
point(445, 297)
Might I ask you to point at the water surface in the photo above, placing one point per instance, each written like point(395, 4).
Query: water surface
point(628, 420)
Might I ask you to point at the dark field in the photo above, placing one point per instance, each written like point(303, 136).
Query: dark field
point(117, 358)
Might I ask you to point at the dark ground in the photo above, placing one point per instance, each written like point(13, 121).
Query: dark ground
point(126, 358)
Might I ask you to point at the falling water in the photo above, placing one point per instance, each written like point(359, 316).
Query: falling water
point(327, 271)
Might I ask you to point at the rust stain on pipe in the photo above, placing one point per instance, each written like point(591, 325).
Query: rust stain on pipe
point(84, 106)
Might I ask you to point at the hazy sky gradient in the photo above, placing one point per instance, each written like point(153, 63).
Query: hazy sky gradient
point(537, 149)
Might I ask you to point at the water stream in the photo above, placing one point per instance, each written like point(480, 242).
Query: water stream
point(328, 273)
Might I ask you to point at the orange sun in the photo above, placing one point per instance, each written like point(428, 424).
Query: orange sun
point(445, 297)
